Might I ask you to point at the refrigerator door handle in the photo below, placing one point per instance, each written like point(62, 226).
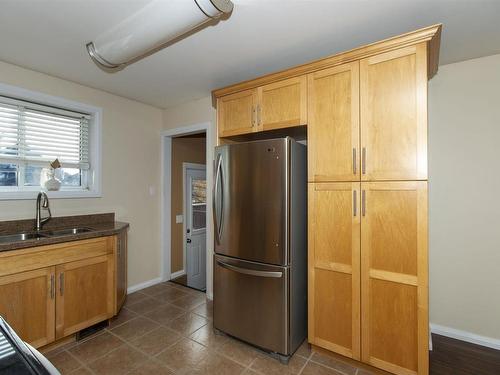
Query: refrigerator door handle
point(250, 272)
point(217, 221)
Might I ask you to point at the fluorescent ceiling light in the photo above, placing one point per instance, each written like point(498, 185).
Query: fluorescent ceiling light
point(153, 26)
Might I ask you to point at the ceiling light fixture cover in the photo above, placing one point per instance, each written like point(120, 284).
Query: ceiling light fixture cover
point(154, 25)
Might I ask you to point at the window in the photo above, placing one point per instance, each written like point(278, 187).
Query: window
point(199, 203)
point(33, 134)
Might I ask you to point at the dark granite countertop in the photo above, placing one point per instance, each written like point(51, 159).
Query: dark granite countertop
point(100, 225)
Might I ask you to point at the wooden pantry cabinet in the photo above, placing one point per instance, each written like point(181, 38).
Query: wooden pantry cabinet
point(367, 148)
point(365, 113)
point(50, 292)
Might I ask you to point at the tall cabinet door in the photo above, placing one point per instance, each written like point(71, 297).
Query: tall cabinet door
point(282, 104)
point(85, 294)
point(334, 267)
point(333, 128)
point(394, 272)
point(236, 113)
point(27, 304)
point(393, 92)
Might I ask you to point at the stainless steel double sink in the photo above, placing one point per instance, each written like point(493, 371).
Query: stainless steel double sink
point(16, 237)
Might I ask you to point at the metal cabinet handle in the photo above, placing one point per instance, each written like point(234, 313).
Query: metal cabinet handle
point(61, 283)
point(363, 156)
point(247, 271)
point(253, 116)
point(363, 203)
point(52, 287)
point(354, 169)
point(354, 203)
point(259, 110)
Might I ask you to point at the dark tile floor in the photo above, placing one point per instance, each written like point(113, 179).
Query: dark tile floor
point(167, 329)
point(182, 280)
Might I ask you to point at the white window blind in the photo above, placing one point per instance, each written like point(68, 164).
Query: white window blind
point(37, 134)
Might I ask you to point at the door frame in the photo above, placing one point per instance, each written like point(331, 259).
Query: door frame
point(185, 167)
point(166, 208)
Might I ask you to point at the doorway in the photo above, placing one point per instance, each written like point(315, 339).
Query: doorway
point(185, 205)
point(172, 212)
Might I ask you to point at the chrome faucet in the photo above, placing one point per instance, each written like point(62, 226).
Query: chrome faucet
point(42, 201)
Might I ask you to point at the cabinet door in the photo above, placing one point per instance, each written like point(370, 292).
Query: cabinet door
point(85, 294)
point(282, 104)
point(121, 270)
point(236, 113)
point(334, 267)
point(27, 304)
point(394, 272)
point(333, 128)
point(393, 90)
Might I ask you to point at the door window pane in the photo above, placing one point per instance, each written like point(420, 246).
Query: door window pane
point(199, 191)
point(198, 203)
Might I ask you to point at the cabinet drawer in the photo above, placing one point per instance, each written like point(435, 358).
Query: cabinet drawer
point(44, 256)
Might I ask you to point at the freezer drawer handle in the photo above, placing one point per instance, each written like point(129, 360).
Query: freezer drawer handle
point(275, 274)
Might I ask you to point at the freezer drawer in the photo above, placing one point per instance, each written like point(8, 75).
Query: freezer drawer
point(251, 302)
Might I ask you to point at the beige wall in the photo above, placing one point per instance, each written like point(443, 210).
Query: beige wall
point(464, 190)
point(184, 150)
point(130, 166)
point(193, 112)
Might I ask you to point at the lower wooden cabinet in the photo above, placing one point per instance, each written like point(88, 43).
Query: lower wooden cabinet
point(368, 258)
point(27, 302)
point(50, 292)
point(85, 294)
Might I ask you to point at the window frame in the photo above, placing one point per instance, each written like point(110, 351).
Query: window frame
point(93, 175)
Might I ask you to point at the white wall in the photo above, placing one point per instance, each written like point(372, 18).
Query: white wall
point(192, 113)
point(464, 196)
point(130, 165)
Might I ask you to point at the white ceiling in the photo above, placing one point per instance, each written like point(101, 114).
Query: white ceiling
point(260, 37)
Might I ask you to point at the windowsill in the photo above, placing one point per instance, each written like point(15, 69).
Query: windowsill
point(61, 194)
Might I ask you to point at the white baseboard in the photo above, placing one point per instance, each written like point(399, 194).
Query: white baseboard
point(145, 284)
point(465, 336)
point(177, 274)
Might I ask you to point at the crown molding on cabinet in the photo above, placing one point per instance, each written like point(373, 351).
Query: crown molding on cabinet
point(430, 34)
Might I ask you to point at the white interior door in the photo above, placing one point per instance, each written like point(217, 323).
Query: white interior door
point(195, 198)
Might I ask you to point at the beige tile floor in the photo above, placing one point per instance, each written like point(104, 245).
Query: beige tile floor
point(167, 329)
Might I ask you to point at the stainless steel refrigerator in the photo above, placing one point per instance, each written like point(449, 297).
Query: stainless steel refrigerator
point(260, 265)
